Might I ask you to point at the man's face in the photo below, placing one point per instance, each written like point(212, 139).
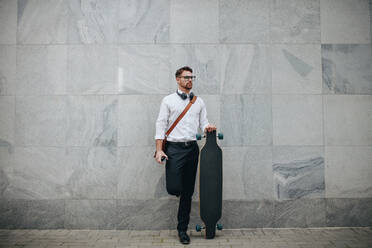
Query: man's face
point(185, 82)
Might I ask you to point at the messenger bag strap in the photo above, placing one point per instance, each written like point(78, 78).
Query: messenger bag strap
point(180, 116)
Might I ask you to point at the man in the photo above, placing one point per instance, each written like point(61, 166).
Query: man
point(182, 151)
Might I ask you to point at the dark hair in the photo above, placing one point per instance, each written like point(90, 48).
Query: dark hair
point(182, 69)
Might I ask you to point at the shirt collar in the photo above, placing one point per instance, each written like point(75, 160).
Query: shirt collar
point(183, 92)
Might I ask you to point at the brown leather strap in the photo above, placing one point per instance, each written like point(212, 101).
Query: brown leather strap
point(180, 116)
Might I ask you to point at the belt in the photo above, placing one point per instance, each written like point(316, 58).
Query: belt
point(182, 143)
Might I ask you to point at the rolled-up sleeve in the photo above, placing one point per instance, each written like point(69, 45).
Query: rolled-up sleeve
point(162, 121)
point(203, 121)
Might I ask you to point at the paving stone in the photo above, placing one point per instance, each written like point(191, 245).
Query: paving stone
point(260, 237)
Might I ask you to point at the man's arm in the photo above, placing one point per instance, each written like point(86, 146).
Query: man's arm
point(203, 120)
point(159, 152)
point(161, 125)
point(158, 144)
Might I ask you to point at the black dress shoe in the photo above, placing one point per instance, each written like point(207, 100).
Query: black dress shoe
point(184, 238)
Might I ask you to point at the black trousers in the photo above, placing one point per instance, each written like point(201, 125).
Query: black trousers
point(180, 171)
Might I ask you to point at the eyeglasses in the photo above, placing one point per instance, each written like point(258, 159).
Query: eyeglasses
point(188, 77)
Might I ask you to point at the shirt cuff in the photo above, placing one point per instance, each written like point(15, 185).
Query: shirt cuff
point(159, 137)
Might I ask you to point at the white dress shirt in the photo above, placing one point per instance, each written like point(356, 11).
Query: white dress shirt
point(186, 129)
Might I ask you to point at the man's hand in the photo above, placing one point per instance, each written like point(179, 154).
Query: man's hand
point(159, 155)
point(210, 128)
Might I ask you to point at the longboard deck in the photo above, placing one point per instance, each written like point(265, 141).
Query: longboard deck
point(210, 184)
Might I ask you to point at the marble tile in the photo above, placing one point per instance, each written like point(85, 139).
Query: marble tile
point(297, 69)
point(144, 69)
point(13, 214)
point(92, 69)
point(194, 21)
point(347, 69)
point(7, 69)
point(94, 172)
point(244, 21)
point(247, 173)
point(298, 172)
point(106, 177)
point(147, 214)
point(297, 120)
point(8, 22)
point(38, 173)
point(345, 21)
point(139, 176)
point(92, 21)
point(347, 120)
point(90, 214)
point(161, 188)
point(143, 21)
point(45, 214)
point(355, 165)
point(247, 214)
point(348, 212)
point(137, 117)
point(246, 120)
point(245, 69)
point(41, 70)
point(6, 164)
point(370, 18)
point(91, 120)
point(295, 21)
point(205, 63)
point(7, 121)
point(300, 213)
point(42, 22)
point(40, 121)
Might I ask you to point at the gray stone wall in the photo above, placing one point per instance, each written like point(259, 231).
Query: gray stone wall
point(288, 82)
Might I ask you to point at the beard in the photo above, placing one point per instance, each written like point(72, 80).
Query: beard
point(188, 86)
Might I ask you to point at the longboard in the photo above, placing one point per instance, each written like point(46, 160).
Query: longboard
point(210, 185)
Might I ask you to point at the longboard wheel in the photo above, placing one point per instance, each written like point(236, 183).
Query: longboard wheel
point(220, 136)
point(198, 228)
point(219, 227)
point(198, 136)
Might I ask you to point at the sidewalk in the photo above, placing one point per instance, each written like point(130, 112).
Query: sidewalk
point(260, 238)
